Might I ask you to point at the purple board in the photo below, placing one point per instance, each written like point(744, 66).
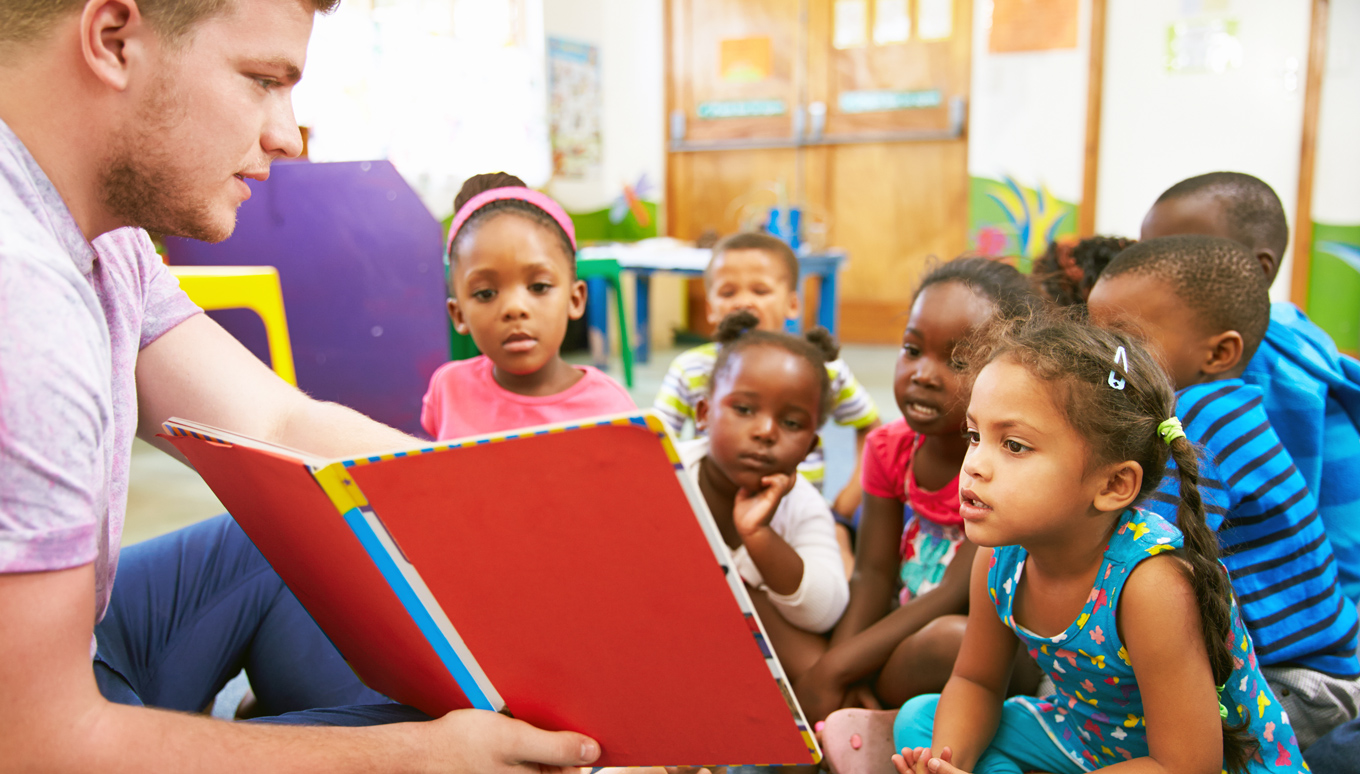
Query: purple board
point(361, 263)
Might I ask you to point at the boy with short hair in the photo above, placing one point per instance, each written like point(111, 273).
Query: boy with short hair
point(1204, 307)
point(759, 273)
point(1311, 393)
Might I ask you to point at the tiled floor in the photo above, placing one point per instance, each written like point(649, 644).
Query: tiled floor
point(164, 495)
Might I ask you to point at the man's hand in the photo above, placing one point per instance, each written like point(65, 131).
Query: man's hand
point(477, 740)
point(753, 510)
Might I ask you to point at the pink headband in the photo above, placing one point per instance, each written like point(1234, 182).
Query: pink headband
point(539, 200)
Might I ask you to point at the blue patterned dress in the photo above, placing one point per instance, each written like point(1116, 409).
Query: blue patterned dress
point(1095, 718)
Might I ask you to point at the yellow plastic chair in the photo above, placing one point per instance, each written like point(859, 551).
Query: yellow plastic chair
point(245, 287)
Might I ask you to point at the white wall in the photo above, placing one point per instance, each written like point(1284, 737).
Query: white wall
point(1336, 189)
point(1159, 127)
point(1028, 113)
point(630, 35)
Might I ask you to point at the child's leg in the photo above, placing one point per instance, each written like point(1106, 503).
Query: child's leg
point(921, 663)
point(796, 648)
point(1021, 744)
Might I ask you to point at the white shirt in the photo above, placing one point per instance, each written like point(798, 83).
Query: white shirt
point(803, 520)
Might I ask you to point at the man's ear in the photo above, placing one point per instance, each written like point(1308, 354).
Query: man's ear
point(701, 415)
point(1224, 353)
point(577, 305)
point(112, 35)
point(1120, 487)
point(456, 316)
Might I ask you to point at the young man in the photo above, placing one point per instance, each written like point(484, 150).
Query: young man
point(1310, 392)
point(115, 114)
point(1204, 310)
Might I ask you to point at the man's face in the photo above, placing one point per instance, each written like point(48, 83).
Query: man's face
point(216, 109)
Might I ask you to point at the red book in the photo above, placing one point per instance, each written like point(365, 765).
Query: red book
point(570, 576)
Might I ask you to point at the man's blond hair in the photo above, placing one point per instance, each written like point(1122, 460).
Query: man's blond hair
point(25, 21)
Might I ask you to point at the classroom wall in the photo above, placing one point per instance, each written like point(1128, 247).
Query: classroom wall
point(1334, 284)
point(1027, 129)
point(630, 37)
point(1160, 126)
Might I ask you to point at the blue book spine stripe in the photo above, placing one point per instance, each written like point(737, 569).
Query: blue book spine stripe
point(355, 518)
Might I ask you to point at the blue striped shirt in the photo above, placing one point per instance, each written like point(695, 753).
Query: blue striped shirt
point(1312, 397)
point(1274, 545)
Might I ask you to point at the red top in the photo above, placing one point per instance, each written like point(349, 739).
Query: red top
point(887, 473)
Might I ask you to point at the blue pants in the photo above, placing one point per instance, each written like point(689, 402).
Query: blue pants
point(191, 609)
point(1335, 753)
point(1020, 743)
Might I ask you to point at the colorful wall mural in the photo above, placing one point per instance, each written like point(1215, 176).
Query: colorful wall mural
point(1334, 284)
point(1007, 218)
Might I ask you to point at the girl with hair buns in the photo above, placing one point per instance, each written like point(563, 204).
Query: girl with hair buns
point(513, 287)
point(1069, 428)
point(769, 394)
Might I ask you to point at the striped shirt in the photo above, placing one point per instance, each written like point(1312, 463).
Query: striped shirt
point(687, 381)
point(1312, 397)
point(1281, 562)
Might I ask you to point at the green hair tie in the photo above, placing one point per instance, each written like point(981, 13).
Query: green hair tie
point(1170, 430)
point(1222, 710)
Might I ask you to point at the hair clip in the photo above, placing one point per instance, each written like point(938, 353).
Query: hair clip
point(1119, 356)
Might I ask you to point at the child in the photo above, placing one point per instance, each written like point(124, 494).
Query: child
point(768, 395)
point(1069, 427)
point(513, 286)
point(1203, 305)
point(916, 460)
point(1067, 272)
point(759, 273)
point(1310, 392)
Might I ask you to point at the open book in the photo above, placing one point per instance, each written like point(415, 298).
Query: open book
point(569, 575)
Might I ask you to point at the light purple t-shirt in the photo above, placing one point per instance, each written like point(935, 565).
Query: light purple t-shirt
point(73, 316)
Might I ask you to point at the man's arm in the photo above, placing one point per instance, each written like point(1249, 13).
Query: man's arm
point(198, 371)
point(53, 718)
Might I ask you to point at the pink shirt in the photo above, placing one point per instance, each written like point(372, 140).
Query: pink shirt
point(464, 399)
point(73, 316)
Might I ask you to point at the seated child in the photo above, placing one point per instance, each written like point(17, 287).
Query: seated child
point(1134, 620)
point(1067, 272)
point(768, 395)
point(1310, 392)
point(513, 286)
point(1202, 303)
point(759, 273)
point(902, 628)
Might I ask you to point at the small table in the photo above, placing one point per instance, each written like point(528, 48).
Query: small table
point(646, 258)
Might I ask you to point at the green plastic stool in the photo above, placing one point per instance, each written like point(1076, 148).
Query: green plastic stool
point(607, 269)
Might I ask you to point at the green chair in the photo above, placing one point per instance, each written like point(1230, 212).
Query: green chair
point(608, 271)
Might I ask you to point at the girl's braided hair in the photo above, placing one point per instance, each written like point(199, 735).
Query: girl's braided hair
point(738, 331)
point(1119, 424)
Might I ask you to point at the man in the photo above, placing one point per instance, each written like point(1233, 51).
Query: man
point(118, 113)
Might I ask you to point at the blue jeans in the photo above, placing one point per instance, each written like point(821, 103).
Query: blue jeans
point(1335, 753)
point(193, 608)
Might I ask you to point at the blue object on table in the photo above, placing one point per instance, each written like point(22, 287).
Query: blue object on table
point(787, 224)
point(824, 265)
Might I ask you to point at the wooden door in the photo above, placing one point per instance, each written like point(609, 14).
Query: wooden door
point(871, 141)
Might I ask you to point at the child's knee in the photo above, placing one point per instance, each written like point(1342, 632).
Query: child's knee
point(915, 722)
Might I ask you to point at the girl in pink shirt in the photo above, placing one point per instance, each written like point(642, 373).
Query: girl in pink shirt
point(513, 287)
point(902, 628)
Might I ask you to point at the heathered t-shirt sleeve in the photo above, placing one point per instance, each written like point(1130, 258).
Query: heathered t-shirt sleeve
point(55, 406)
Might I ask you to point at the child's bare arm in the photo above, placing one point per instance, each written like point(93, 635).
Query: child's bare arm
point(970, 705)
point(1159, 622)
point(852, 494)
point(876, 561)
point(780, 565)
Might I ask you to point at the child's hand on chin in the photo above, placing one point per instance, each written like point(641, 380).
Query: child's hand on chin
point(922, 761)
point(754, 510)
